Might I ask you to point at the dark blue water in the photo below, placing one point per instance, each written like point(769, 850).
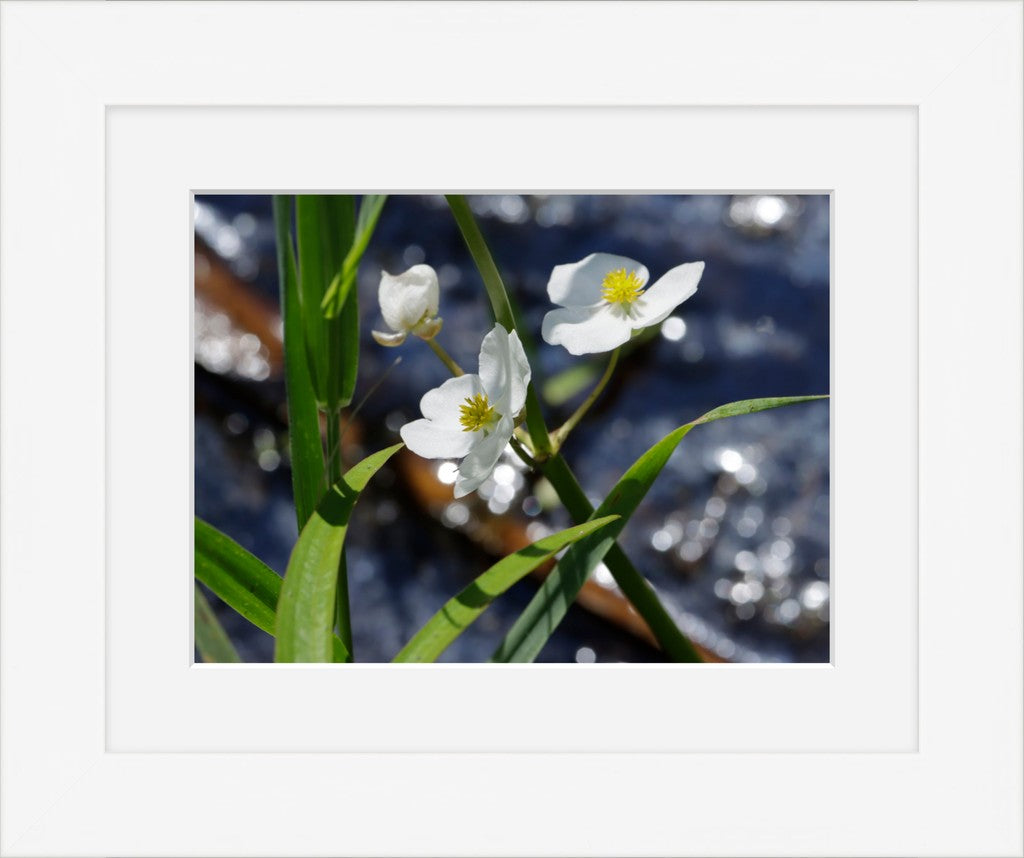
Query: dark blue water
point(734, 533)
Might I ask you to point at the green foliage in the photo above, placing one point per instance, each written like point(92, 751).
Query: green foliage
point(345, 279)
point(325, 226)
point(306, 609)
point(237, 577)
point(212, 641)
point(307, 453)
point(633, 585)
point(240, 580)
point(531, 631)
point(320, 316)
point(461, 611)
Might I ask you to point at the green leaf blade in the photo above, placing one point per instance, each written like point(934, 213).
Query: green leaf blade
point(346, 350)
point(441, 630)
point(306, 608)
point(546, 610)
point(312, 271)
point(307, 453)
point(342, 284)
point(240, 579)
point(633, 585)
point(342, 332)
point(212, 641)
point(325, 225)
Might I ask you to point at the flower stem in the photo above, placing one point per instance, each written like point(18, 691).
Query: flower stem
point(562, 432)
point(633, 585)
point(502, 308)
point(522, 453)
point(553, 466)
point(446, 358)
point(484, 261)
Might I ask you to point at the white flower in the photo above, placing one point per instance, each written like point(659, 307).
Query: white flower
point(603, 301)
point(474, 415)
point(408, 302)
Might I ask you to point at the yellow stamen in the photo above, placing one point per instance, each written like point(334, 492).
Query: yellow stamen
point(477, 413)
point(621, 287)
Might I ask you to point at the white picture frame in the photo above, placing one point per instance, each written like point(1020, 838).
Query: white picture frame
point(920, 750)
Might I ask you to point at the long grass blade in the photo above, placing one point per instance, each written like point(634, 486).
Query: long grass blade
point(441, 630)
point(212, 641)
point(313, 278)
point(240, 579)
point(325, 226)
point(338, 292)
point(343, 331)
point(307, 453)
point(633, 585)
point(306, 609)
point(546, 610)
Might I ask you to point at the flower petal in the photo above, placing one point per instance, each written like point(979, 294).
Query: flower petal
point(434, 441)
point(407, 297)
point(671, 289)
point(441, 405)
point(504, 369)
point(578, 284)
point(587, 330)
point(389, 339)
point(479, 463)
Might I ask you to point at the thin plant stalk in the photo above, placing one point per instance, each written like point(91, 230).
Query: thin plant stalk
point(502, 308)
point(523, 453)
point(633, 585)
point(562, 432)
point(446, 358)
point(555, 468)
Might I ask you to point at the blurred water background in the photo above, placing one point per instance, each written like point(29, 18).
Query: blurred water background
point(735, 532)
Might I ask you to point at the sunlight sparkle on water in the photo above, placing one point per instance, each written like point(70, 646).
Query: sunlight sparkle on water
point(673, 329)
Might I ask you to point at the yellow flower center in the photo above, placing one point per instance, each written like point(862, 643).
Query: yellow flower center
point(621, 287)
point(476, 413)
